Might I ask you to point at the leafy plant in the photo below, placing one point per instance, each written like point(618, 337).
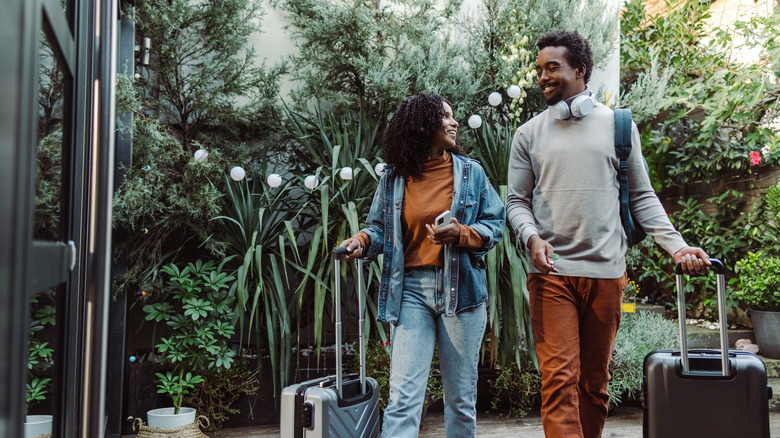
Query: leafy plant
point(40, 353)
point(37, 390)
point(517, 386)
point(335, 207)
point(638, 335)
point(220, 389)
point(507, 265)
point(372, 54)
point(163, 208)
point(257, 224)
point(203, 68)
point(197, 306)
point(717, 108)
point(772, 204)
point(177, 386)
point(759, 281)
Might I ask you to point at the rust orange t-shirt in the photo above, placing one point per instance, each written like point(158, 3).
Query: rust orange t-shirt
point(424, 199)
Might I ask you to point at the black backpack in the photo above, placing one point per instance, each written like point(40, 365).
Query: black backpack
point(633, 229)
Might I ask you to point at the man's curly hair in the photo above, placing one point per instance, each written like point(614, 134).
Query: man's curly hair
point(409, 135)
point(578, 52)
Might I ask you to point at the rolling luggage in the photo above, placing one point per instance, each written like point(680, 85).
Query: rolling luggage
point(334, 406)
point(705, 393)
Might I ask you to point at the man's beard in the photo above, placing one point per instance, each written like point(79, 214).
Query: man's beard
point(554, 99)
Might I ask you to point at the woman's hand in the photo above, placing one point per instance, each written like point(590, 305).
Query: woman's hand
point(354, 248)
point(449, 233)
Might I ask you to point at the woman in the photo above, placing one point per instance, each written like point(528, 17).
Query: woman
point(433, 287)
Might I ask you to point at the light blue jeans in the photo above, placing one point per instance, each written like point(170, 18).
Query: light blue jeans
point(421, 326)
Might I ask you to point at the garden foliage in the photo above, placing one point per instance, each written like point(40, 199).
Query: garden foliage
point(711, 124)
point(197, 306)
point(639, 335)
point(516, 387)
point(700, 114)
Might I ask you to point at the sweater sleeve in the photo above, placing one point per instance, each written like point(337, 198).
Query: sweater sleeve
point(519, 208)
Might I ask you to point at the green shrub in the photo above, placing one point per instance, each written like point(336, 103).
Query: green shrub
point(197, 306)
point(759, 281)
point(517, 388)
point(639, 334)
point(219, 390)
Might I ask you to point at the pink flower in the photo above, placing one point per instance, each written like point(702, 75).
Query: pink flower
point(755, 158)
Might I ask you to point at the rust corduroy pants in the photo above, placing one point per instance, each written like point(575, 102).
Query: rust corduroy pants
point(575, 321)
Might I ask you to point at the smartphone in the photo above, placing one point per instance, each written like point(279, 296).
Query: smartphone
point(443, 219)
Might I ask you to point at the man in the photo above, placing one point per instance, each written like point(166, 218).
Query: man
point(563, 205)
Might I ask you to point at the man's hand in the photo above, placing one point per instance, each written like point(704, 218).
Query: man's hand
point(542, 254)
point(449, 233)
point(693, 260)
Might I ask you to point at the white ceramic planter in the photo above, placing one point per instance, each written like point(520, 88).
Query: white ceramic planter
point(37, 425)
point(165, 418)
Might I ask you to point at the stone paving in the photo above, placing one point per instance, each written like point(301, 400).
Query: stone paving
point(624, 422)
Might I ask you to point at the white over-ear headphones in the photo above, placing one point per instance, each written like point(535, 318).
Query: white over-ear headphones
point(579, 107)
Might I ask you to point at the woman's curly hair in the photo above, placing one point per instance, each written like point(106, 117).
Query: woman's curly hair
point(578, 52)
point(409, 136)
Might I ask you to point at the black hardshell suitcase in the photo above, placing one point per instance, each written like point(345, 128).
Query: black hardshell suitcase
point(334, 406)
point(705, 393)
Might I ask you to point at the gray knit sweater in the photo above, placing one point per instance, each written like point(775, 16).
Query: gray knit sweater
point(563, 186)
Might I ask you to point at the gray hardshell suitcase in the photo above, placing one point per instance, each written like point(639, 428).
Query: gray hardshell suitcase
point(334, 406)
point(705, 393)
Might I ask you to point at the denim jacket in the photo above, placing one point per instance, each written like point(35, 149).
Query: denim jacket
point(475, 204)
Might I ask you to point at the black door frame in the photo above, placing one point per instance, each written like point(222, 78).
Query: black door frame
point(83, 36)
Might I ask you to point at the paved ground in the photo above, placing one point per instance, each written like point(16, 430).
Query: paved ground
point(624, 422)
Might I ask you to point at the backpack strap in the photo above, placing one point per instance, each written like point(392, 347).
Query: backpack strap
point(623, 150)
point(623, 124)
point(622, 133)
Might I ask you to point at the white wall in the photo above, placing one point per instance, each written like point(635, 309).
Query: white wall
point(274, 44)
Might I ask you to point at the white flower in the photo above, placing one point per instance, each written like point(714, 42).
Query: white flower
point(494, 98)
point(311, 182)
point(237, 173)
point(200, 155)
point(274, 180)
point(475, 121)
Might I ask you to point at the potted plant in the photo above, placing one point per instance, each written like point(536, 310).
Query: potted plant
point(39, 358)
point(759, 288)
point(37, 425)
point(196, 303)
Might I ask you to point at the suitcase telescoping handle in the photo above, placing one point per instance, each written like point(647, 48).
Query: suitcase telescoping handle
point(720, 273)
point(338, 252)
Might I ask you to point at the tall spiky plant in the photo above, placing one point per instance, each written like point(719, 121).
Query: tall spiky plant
point(508, 296)
point(336, 205)
point(257, 224)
